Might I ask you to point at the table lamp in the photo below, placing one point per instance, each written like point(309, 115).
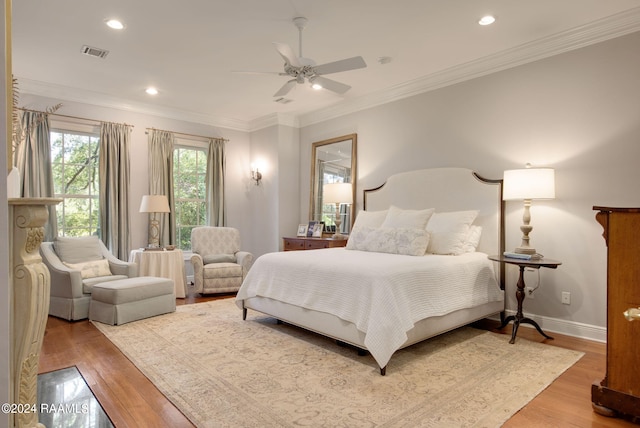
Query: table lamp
point(527, 184)
point(154, 204)
point(337, 193)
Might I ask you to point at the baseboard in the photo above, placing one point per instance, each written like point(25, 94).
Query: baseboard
point(568, 328)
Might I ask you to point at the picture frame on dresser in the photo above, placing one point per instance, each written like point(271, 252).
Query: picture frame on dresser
point(318, 228)
point(302, 229)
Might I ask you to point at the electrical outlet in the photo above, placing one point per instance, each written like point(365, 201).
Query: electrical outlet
point(566, 298)
point(529, 293)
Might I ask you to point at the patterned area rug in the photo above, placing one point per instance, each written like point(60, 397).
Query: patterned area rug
point(221, 371)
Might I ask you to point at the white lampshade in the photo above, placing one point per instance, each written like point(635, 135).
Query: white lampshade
point(337, 193)
point(529, 183)
point(154, 204)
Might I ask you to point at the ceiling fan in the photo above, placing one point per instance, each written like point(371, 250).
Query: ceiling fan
point(303, 69)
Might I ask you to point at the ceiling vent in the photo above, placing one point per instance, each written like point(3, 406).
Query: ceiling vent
point(283, 100)
point(97, 52)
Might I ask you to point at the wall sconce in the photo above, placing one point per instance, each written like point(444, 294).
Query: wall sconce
point(256, 175)
point(525, 185)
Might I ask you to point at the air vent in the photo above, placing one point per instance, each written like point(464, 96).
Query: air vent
point(97, 52)
point(283, 100)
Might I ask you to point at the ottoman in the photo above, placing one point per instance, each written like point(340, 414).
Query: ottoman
point(131, 299)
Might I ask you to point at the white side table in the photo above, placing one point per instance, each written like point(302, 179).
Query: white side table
point(164, 264)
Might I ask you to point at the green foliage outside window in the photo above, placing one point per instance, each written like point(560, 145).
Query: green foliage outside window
point(74, 161)
point(189, 173)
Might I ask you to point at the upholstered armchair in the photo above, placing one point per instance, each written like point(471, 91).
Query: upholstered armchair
point(76, 265)
point(218, 264)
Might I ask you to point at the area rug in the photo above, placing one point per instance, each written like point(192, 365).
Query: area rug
point(221, 371)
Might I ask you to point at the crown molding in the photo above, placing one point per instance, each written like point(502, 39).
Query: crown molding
point(66, 93)
point(595, 32)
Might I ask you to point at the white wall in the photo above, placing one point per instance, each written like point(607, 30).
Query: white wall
point(578, 112)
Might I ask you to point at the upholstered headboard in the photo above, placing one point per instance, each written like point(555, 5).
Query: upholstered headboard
point(446, 189)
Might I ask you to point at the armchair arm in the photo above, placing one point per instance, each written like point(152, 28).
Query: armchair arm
point(65, 282)
point(244, 259)
point(198, 272)
point(117, 266)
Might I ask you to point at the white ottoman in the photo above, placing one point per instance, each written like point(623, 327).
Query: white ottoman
point(131, 299)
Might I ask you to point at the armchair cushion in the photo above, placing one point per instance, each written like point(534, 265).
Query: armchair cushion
point(219, 258)
point(77, 250)
point(91, 269)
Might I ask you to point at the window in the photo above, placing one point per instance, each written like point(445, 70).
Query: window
point(189, 174)
point(74, 161)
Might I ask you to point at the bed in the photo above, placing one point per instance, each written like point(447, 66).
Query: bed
point(368, 296)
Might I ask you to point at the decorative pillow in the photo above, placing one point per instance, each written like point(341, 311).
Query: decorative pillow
point(370, 218)
point(218, 258)
point(407, 219)
point(449, 231)
point(91, 269)
point(77, 250)
point(410, 242)
point(473, 238)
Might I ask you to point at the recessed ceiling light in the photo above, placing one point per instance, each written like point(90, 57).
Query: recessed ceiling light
point(115, 24)
point(151, 91)
point(487, 20)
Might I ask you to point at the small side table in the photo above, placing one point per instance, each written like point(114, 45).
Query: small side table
point(165, 264)
point(519, 318)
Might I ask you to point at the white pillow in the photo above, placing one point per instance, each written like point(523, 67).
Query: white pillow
point(473, 238)
point(407, 219)
point(370, 218)
point(410, 242)
point(449, 231)
point(91, 269)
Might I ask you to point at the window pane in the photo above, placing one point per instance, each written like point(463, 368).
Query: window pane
point(189, 192)
point(74, 158)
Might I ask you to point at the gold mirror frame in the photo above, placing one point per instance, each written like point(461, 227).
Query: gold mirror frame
point(338, 147)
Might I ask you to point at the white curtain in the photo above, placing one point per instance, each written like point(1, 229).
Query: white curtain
point(33, 160)
point(215, 183)
point(114, 188)
point(161, 179)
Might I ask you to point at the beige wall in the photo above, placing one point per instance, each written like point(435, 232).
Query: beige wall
point(577, 112)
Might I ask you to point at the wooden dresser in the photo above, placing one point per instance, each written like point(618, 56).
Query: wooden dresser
point(303, 243)
point(619, 392)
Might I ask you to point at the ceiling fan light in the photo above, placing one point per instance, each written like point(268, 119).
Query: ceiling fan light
point(487, 20)
point(316, 86)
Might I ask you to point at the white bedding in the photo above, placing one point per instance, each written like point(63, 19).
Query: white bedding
point(382, 294)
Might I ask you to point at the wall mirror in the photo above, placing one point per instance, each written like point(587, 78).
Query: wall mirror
point(333, 161)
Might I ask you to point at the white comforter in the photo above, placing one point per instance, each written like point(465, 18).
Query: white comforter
point(382, 294)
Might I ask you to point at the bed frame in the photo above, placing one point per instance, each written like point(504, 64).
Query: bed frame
point(445, 189)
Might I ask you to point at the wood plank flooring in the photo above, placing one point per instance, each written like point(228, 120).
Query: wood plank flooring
point(131, 400)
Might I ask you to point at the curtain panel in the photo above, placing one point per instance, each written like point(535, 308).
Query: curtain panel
point(216, 164)
point(114, 172)
point(33, 160)
point(161, 145)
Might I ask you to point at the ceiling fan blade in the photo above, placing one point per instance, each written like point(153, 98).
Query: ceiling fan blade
point(286, 88)
point(276, 73)
point(342, 65)
point(287, 54)
point(331, 85)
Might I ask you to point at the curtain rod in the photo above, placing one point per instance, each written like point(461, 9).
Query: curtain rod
point(188, 135)
point(72, 117)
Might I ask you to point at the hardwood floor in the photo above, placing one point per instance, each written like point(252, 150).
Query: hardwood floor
point(131, 400)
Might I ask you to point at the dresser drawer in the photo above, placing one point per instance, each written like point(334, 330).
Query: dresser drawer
point(302, 243)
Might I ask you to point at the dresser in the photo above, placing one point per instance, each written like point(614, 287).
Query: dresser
point(303, 243)
point(619, 391)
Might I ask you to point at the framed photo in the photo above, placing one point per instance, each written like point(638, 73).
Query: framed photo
point(317, 230)
point(302, 230)
point(310, 227)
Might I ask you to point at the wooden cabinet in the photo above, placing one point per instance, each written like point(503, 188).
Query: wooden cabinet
point(619, 392)
point(302, 243)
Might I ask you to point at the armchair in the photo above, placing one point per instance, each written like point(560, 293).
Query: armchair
point(76, 265)
point(218, 264)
